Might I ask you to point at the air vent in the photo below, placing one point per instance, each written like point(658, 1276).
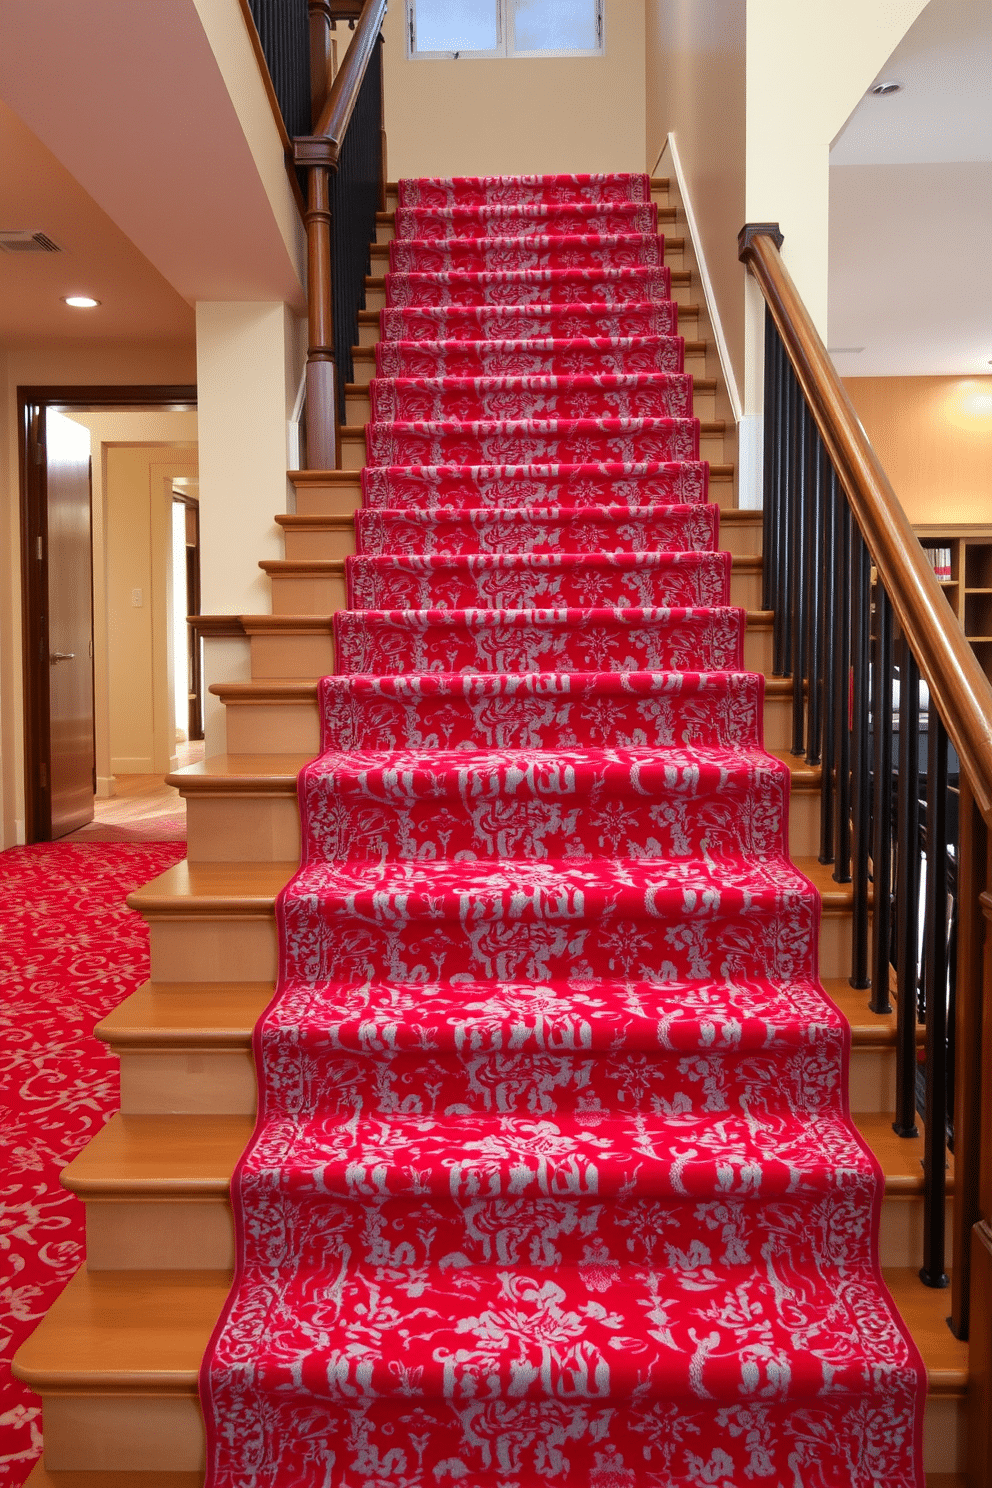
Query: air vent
point(27, 242)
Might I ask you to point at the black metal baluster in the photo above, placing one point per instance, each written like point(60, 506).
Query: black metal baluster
point(932, 1272)
point(860, 769)
point(782, 660)
point(814, 631)
point(842, 695)
point(769, 473)
point(907, 891)
point(800, 575)
point(831, 532)
point(881, 720)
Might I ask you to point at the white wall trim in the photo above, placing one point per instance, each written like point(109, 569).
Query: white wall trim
point(726, 367)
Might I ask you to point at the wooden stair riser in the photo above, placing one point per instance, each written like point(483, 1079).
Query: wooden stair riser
point(240, 827)
point(159, 1235)
point(281, 656)
point(188, 1082)
point(359, 410)
point(684, 292)
point(135, 1432)
point(368, 322)
point(307, 537)
point(220, 948)
point(124, 1433)
point(291, 727)
point(323, 593)
point(385, 229)
point(339, 493)
point(294, 657)
point(353, 447)
point(696, 361)
point(266, 828)
point(221, 1082)
point(197, 1234)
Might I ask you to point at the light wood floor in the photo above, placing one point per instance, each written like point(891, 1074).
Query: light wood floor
point(142, 809)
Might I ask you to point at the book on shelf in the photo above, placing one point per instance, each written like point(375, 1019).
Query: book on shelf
point(939, 560)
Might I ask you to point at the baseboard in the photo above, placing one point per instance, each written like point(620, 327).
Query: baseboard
point(105, 787)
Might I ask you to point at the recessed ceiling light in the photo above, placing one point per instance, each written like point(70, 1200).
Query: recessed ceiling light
point(885, 90)
point(80, 302)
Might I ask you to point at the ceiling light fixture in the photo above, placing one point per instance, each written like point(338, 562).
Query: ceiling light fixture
point(80, 302)
point(885, 90)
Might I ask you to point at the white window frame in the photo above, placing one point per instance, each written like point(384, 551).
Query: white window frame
point(504, 49)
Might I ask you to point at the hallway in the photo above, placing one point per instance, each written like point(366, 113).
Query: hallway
point(144, 808)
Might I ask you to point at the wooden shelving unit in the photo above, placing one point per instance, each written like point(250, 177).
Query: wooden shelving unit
point(969, 588)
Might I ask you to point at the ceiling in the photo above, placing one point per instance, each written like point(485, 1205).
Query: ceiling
point(96, 258)
point(146, 149)
point(911, 207)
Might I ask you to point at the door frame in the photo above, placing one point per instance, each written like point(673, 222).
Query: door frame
point(34, 562)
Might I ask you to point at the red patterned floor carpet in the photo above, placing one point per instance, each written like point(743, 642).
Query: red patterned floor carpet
point(70, 950)
point(553, 1181)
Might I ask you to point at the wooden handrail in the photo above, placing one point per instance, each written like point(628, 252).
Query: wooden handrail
point(323, 147)
point(947, 663)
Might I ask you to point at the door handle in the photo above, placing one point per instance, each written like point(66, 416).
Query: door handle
point(55, 656)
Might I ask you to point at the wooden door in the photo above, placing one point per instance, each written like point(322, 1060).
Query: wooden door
point(68, 518)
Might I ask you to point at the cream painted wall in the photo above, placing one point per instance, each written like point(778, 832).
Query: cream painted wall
point(55, 364)
point(250, 360)
point(933, 435)
point(695, 66)
point(524, 116)
point(138, 486)
point(754, 92)
point(166, 445)
point(808, 64)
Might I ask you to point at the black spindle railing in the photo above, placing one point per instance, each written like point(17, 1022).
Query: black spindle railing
point(836, 636)
point(355, 191)
point(283, 28)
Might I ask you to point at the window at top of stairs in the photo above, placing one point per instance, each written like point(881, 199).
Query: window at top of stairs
point(504, 28)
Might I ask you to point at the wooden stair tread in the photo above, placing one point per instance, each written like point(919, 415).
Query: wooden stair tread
point(681, 277)
point(708, 428)
point(186, 1014)
point(665, 214)
point(293, 624)
point(361, 390)
point(804, 776)
point(676, 245)
point(367, 354)
point(302, 565)
point(740, 562)
point(124, 1331)
point(306, 478)
point(268, 690)
point(900, 1158)
point(371, 317)
point(924, 1310)
point(161, 1156)
point(41, 1478)
point(215, 889)
point(146, 1331)
point(269, 773)
point(290, 521)
point(832, 894)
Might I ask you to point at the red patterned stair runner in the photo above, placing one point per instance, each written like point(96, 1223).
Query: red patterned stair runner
point(554, 1180)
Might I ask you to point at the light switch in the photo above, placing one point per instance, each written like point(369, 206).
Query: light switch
point(136, 599)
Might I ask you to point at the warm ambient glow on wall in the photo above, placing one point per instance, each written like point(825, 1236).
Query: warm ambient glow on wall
point(968, 404)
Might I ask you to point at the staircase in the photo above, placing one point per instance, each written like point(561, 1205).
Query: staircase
point(117, 1358)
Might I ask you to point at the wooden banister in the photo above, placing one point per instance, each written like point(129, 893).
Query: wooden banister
point(324, 146)
point(947, 663)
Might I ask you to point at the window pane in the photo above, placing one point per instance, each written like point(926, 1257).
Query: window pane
point(555, 26)
point(456, 25)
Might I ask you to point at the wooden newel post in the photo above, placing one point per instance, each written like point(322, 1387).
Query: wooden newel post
point(322, 403)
